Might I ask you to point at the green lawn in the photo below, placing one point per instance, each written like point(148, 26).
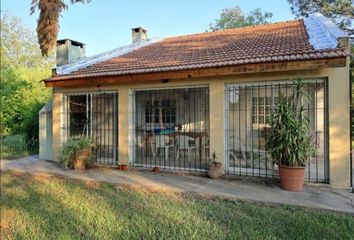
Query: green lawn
point(54, 208)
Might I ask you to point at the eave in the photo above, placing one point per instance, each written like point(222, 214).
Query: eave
point(198, 73)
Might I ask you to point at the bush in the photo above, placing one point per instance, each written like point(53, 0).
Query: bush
point(71, 148)
point(15, 143)
point(31, 128)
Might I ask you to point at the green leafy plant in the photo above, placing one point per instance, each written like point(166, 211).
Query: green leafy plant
point(289, 142)
point(213, 159)
point(15, 143)
point(72, 147)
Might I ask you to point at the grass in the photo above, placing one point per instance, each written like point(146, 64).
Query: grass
point(37, 207)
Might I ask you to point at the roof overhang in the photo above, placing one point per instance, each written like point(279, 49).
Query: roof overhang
point(202, 72)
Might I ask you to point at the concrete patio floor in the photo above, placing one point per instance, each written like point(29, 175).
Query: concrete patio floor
point(313, 196)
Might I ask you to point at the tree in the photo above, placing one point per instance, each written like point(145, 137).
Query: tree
point(48, 21)
point(22, 68)
point(235, 17)
point(340, 11)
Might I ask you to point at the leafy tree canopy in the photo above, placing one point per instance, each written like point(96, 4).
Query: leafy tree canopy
point(340, 11)
point(235, 17)
point(22, 69)
point(48, 21)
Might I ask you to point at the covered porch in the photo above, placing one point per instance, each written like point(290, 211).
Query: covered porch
point(248, 111)
point(170, 128)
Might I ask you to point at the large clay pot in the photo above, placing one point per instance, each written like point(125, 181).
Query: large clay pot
point(156, 169)
point(215, 170)
point(81, 158)
point(291, 178)
point(123, 167)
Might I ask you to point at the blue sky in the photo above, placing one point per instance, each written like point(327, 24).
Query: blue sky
point(106, 24)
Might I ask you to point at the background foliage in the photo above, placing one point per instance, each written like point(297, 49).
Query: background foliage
point(235, 17)
point(22, 69)
point(340, 11)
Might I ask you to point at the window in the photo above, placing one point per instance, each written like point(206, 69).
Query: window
point(79, 115)
point(151, 112)
point(168, 111)
point(261, 111)
point(161, 112)
point(92, 115)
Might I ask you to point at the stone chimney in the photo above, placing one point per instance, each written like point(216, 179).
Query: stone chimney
point(139, 34)
point(69, 51)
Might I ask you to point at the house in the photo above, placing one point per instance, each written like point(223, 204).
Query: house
point(172, 102)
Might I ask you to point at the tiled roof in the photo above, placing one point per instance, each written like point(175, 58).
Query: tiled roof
point(285, 41)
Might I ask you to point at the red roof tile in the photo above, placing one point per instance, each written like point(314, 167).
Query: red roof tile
point(285, 41)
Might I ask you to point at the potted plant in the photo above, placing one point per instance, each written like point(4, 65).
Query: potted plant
point(215, 169)
point(123, 167)
point(289, 142)
point(77, 153)
point(156, 169)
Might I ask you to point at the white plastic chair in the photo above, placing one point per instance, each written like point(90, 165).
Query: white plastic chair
point(204, 148)
point(161, 142)
point(185, 143)
point(236, 146)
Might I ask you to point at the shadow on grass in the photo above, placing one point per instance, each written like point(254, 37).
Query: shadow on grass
point(50, 213)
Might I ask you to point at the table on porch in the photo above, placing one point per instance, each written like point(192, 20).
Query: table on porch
point(174, 134)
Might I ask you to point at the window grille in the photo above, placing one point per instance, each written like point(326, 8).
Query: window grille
point(170, 128)
point(247, 111)
point(93, 115)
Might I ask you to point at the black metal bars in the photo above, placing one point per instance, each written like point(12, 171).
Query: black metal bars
point(171, 128)
point(93, 115)
point(248, 110)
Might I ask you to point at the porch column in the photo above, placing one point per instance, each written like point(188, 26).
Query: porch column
point(56, 128)
point(339, 130)
point(216, 103)
point(123, 125)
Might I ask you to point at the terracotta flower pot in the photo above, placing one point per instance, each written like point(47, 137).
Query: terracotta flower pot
point(156, 169)
point(81, 158)
point(291, 178)
point(215, 170)
point(123, 167)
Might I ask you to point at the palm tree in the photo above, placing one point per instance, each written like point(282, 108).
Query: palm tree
point(48, 21)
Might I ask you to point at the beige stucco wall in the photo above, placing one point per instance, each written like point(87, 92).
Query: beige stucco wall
point(45, 132)
point(338, 97)
point(339, 132)
point(123, 124)
point(56, 116)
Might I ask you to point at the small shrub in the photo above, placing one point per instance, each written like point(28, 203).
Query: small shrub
point(31, 128)
point(15, 143)
point(71, 148)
